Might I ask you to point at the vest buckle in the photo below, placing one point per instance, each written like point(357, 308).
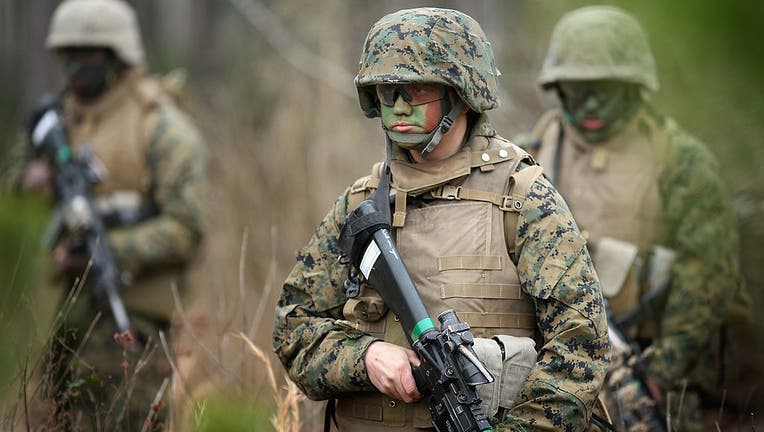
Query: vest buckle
point(509, 203)
point(447, 192)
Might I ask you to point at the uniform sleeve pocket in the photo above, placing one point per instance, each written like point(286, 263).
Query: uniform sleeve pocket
point(546, 274)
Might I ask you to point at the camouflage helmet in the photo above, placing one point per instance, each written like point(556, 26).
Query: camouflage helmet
point(430, 45)
point(97, 23)
point(599, 42)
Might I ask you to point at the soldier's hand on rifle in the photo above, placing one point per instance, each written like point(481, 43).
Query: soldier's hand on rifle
point(38, 177)
point(68, 260)
point(389, 369)
point(655, 388)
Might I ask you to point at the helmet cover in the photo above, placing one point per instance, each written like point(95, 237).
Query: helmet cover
point(428, 45)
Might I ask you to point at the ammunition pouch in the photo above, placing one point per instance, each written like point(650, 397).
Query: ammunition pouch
point(659, 262)
point(366, 307)
point(614, 260)
point(631, 281)
point(510, 360)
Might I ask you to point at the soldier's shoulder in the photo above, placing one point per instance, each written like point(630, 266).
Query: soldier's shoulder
point(164, 119)
point(527, 141)
point(361, 188)
point(531, 140)
point(368, 182)
point(508, 148)
point(684, 151)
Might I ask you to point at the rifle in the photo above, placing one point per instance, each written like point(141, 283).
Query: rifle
point(450, 369)
point(626, 391)
point(75, 209)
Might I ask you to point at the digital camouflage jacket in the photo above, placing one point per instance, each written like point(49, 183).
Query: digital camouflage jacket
point(691, 215)
point(325, 357)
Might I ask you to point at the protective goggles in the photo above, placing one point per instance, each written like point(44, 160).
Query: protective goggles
point(579, 93)
point(413, 94)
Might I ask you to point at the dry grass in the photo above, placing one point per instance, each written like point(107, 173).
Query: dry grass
point(287, 415)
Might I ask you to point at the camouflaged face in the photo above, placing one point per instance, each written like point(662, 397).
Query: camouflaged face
point(429, 45)
point(599, 42)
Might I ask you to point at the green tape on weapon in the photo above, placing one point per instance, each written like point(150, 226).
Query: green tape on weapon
point(63, 155)
point(421, 327)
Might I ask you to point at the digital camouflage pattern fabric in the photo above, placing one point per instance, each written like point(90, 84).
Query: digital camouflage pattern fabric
point(324, 354)
point(631, 406)
point(420, 45)
point(706, 274)
point(596, 43)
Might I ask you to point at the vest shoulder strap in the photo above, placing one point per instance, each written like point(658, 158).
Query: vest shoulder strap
point(546, 120)
point(519, 185)
point(508, 198)
point(364, 186)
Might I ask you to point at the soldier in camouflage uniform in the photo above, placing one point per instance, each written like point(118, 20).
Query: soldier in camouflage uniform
point(650, 200)
point(480, 232)
point(153, 161)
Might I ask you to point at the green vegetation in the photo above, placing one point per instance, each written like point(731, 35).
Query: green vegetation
point(21, 224)
point(231, 415)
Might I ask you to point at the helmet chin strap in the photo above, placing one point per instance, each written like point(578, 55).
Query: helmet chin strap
point(426, 141)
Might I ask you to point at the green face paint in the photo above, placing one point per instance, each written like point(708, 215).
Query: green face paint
point(598, 109)
point(407, 118)
point(88, 70)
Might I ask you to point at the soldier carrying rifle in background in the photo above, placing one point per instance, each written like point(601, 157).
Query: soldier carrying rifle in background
point(651, 201)
point(127, 168)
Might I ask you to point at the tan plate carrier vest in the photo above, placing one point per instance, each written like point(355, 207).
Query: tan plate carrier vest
point(118, 128)
point(456, 249)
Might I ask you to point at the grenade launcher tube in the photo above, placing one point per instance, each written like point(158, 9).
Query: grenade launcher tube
point(382, 266)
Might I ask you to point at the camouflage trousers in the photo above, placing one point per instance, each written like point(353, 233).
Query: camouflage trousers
point(101, 380)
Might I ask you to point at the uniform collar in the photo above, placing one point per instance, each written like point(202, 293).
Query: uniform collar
point(415, 178)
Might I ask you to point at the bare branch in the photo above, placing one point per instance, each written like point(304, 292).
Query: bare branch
point(242, 290)
point(199, 342)
point(294, 52)
point(151, 416)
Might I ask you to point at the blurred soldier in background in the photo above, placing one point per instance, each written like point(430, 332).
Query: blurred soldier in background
point(151, 162)
point(650, 200)
point(480, 231)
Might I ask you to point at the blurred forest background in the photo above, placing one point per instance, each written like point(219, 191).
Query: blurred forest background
point(270, 85)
